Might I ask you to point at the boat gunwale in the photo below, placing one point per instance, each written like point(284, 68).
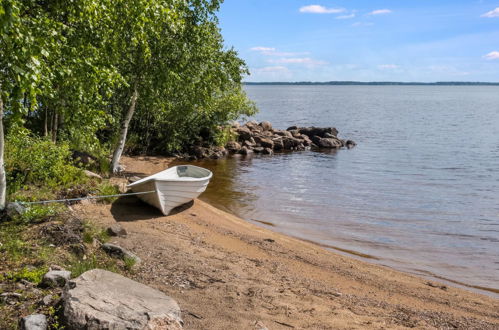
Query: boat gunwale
point(190, 179)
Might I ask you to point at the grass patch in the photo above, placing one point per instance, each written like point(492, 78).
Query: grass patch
point(129, 263)
point(33, 275)
point(91, 231)
point(105, 189)
point(39, 213)
point(99, 260)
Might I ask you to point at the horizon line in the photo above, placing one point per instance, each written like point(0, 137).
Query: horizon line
point(354, 82)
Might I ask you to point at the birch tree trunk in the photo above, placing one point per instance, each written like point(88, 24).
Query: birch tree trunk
point(124, 130)
point(3, 179)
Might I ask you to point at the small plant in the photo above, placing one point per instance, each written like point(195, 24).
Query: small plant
point(38, 213)
point(33, 275)
point(107, 189)
point(90, 232)
point(129, 263)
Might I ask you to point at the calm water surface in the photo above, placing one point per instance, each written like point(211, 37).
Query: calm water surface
point(420, 192)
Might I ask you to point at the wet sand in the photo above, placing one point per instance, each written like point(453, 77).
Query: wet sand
point(225, 272)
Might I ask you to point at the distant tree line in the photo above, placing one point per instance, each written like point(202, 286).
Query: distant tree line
point(380, 83)
point(102, 74)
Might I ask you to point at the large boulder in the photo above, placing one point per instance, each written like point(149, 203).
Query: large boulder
point(99, 299)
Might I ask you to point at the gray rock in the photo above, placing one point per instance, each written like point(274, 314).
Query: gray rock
point(47, 300)
point(264, 142)
point(245, 151)
point(329, 143)
point(92, 175)
point(258, 149)
point(233, 146)
point(14, 209)
point(116, 230)
point(119, 252)
point(34, 322)
point(243, 133)
point(99, 299)
point(350, 144)
point(56, 278)
point(10, 298)
point(266, 125)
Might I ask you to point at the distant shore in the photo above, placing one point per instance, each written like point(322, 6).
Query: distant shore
point(376, 83)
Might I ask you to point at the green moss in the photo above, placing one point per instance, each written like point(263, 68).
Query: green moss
point(39, 213)
point(106, 189)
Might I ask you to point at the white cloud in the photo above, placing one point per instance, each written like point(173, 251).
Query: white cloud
point(271, 51)
point(262, 49)
point(352, 15)
point(492, 56)
point(492, 13)
point(380, 12)
point(307, 61)
point(317, 9)
point(388, 66)
point(271, 69)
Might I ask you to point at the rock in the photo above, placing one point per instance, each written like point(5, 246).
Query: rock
point(249, 143)
point(201, 152)
point(306, 141)
point(116, 230)
point(329, 143)
point(34, 322)
point(295, 133)
point(56, 278)
point(10, 298)
point(251, 124)
point(92, 175)
point(278, 145)
point(120, 168)
point(47, 300)
point(267, 151)
point(292, 128)
point(99, 299)
point(258, 150)
point(350, 144)
point(134, 179)
point(243, 134)
point(15, 209)
point(290, 143)
point(245, 151)
point(284, 133)
point(319, 131)
point(260, 326)
point(266, 125)
point(218, 152)
point(235, 124)
point(55, 267)
point(264, 142)
point(78, 249)
point(118, 251)
point(233, 146)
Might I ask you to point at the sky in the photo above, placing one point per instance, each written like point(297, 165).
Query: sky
point(364, 40)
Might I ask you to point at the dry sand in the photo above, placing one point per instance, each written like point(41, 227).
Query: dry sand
point(226, 273)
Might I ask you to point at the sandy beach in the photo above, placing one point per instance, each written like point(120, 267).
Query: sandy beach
point(226, 273)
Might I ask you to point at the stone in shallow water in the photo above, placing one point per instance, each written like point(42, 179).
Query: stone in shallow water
point(99, 299)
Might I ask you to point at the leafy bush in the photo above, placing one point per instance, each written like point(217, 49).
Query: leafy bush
point(38, 161)
point(106, 189)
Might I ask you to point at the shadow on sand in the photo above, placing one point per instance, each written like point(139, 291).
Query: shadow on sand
point(131, 208)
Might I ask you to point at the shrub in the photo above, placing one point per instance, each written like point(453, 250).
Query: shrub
point(36, 161)
point(38, 213)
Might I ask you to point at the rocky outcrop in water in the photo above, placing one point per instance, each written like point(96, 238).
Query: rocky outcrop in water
point(263, 138)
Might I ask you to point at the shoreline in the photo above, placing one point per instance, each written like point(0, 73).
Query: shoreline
point(224, 270)
point(158, 163)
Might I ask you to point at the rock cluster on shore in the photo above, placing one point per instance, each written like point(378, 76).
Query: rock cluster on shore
point(262, 138)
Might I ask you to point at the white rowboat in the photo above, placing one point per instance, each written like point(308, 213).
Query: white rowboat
point(172, 187)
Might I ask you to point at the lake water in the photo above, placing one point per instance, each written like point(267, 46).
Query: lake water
point(419, 193)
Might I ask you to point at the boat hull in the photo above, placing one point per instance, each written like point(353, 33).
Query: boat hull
point(173, 187)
